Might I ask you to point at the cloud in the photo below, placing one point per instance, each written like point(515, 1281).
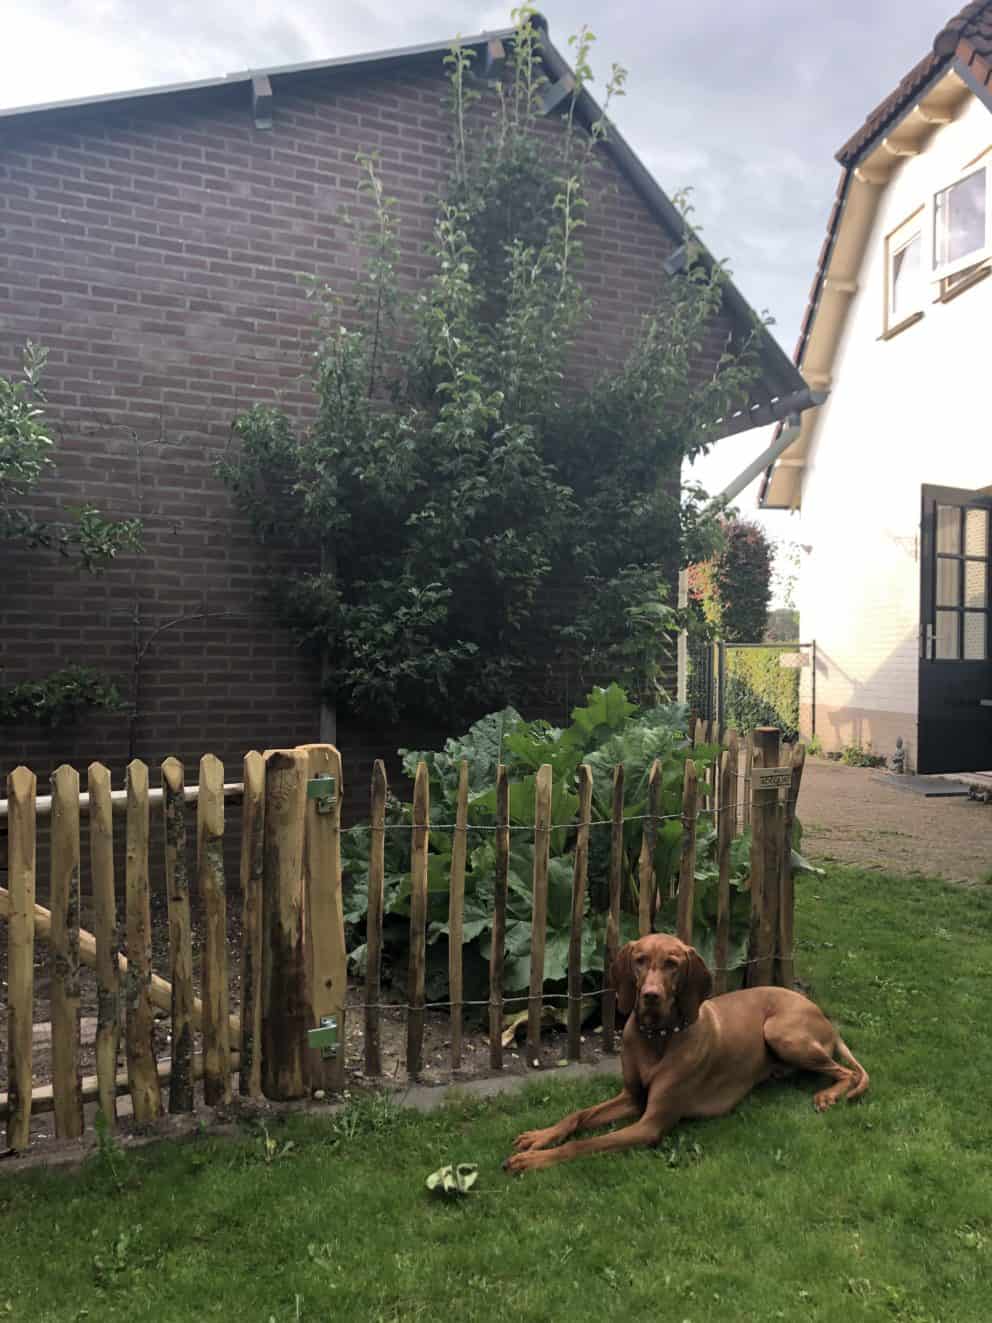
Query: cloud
point(745, 102)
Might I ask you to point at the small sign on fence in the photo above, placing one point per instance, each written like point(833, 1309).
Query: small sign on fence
point(770, 778)
point(793, 661)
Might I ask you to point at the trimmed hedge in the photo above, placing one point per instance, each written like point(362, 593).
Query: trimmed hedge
point(760, 692)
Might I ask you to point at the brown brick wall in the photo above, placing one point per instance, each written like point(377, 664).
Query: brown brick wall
point(154, 246)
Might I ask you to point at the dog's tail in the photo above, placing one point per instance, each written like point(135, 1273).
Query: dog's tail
point(860, 1085)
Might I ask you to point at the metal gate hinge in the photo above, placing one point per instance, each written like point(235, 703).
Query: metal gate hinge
point(324, 789)
point(325, 1037)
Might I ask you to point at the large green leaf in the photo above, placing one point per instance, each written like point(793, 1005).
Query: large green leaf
point(604, 711)
point(533, 744)
point(521, 798)
point(481, 746)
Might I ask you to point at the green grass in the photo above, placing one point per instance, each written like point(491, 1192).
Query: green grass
point(877, 1211)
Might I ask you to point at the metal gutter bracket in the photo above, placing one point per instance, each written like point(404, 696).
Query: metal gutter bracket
point(556, 93)
point(261, 101)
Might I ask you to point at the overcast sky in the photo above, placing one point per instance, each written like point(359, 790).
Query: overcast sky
point(745, 101)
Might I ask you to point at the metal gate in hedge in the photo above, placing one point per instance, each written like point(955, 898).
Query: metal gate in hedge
point(746, 685)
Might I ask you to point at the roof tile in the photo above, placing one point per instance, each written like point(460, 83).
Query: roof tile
point(973, 25)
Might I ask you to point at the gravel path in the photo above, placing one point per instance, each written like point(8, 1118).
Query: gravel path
point(860, 816)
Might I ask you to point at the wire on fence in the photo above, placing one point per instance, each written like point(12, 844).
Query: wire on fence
point(523, 998)
point(529, 827)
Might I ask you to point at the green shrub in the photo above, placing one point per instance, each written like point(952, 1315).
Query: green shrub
point(733, 587)
point(853, 755)
point(606, 730)
point(760, 692)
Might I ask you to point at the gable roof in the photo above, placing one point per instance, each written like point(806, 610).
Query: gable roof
point(960, 61)
point(973, 27)
point(781, 390)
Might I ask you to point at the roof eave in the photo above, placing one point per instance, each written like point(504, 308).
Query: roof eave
point(976, 74)
point(370, 61)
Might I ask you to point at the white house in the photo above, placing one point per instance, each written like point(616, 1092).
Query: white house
point(893, 473)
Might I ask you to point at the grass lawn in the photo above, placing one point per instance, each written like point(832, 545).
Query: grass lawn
point(877, 1211)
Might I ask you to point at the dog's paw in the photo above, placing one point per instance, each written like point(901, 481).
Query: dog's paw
point(529, 1139)
point(526, 1161)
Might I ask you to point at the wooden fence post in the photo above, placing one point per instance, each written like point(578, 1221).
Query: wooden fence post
point(210, 874)
point(106, 938)
point(327, 961)
point(539, 928)
point(732, 741)
point(180, 935)
point(283, 974)
point(613, 917)
point(22, 790)
point(142, 1068)
point(456, 914)
point(252, 854)
point(724, 837)
point(687, 864)
point(645, 867)
point(579, 874)
point(373, 921)
point(418, 922)
point(764, 863)
point(787, 897)
point(497, 957)
point(748, 765)
point(66, 1075)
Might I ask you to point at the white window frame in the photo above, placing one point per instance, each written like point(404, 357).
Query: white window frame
point(911, 228)
point(941, 271)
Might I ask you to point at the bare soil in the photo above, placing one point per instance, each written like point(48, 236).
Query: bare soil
point(861, 816)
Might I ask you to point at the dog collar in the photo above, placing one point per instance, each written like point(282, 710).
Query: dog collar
point(660, 1033)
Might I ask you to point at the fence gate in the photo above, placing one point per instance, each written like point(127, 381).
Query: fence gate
point(710, 689)
point(704, 679)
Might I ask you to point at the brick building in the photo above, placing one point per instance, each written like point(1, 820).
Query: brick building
point(153, 242)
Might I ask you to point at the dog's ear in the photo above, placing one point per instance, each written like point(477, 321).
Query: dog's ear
point(695, 985)
point(623, 980)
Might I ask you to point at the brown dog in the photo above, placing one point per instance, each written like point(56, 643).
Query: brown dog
point(687, 1056)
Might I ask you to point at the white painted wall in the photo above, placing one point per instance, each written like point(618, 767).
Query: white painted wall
point(902, 412)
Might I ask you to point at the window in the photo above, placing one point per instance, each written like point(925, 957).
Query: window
point(904, 273)
point(962, 599)
point(961, 224)
point(906, 279)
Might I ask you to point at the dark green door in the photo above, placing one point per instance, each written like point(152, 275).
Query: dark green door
point(955, 698)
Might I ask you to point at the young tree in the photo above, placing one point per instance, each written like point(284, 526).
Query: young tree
point(26, 459)
point(468, 507)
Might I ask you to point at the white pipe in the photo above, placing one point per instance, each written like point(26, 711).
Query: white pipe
point(767, 456)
